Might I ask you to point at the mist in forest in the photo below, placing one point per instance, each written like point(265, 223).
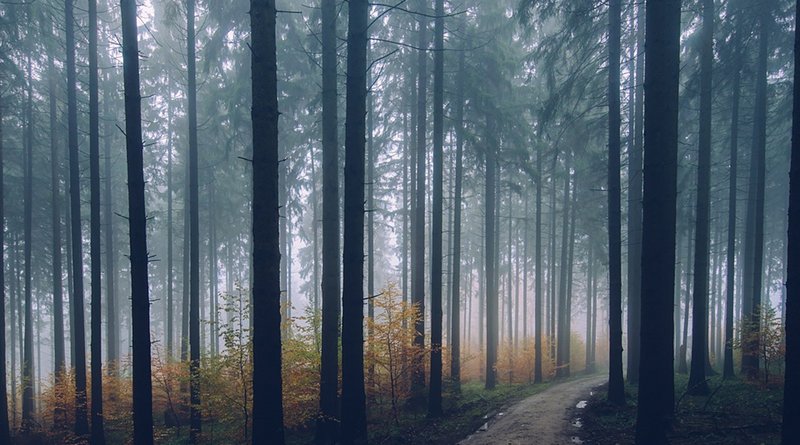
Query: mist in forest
point(419, 221)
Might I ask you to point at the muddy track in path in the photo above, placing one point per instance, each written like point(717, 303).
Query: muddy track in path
point(542, 419)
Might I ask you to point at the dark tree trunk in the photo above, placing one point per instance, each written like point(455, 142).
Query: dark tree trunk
point(791, 410)
point(97, 434)
point(656, 378)
point(418, 259)
point(754, 256)
point(327, 422)
point(455, 314)
point(137, 218)
point(354, 416)
point(538, 300)
point(730, 268)
point(267, 394)
point(196, 419)
point(491, 273)
point(635, 203)
point(697, 375)
point(77, 324)
point(435, 394)
point(616, 384)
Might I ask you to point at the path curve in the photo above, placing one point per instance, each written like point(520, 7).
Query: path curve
point(540, 419)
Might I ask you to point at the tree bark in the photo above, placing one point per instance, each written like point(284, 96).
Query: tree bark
point(435, 394)
point(791, 411)
point(656, 379)
point(538, 300)
point(616, 384)
point(140, 298)
point(455, 339)
point(491, 273)
point(95, 255)
point(354, 417)
point(635, 203)
point(418, 260)
point(5, 428)
point(77, 325)
point(327, 422)
point(730, 268)
point(697, 375)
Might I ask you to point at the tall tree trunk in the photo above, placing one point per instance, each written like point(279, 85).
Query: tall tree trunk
point(140, 298)
point(791, 411)
point(754, 234)
point(95, 251)
point(77, 325)
point(455, 339)
point(354, 416)
point(635, 202)
point(55, 208)
point(170, 276)
point(730, 267)
point(435, 394)
point(562, 354)
point(196, 420)
point(327, 422)
point(370, 235)
point(656, 377)
point(28, 422)
point(491, 273)
point(112, 318)
point(418, 260)
point(616, 384)
point(538, 300)
point(5, 428)
point(267, 398)
point(697, 374)
point(683, 366)
point(589, 307)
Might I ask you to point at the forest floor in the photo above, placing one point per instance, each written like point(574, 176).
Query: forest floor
point(542, 418)
point(735, 412)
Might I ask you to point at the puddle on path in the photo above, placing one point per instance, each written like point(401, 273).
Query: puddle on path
point(576, 423)
point(576, 439)
point(581, 404)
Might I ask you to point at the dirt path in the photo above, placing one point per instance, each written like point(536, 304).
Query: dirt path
point(540, 419)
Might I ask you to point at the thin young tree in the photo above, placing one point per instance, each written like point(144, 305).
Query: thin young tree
point(435, 386)
point(137, 220)
point(267, 400)
point(662, 66)
point(354, 415)
point(327, 424)
point(697, 374)
point(616, 383)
